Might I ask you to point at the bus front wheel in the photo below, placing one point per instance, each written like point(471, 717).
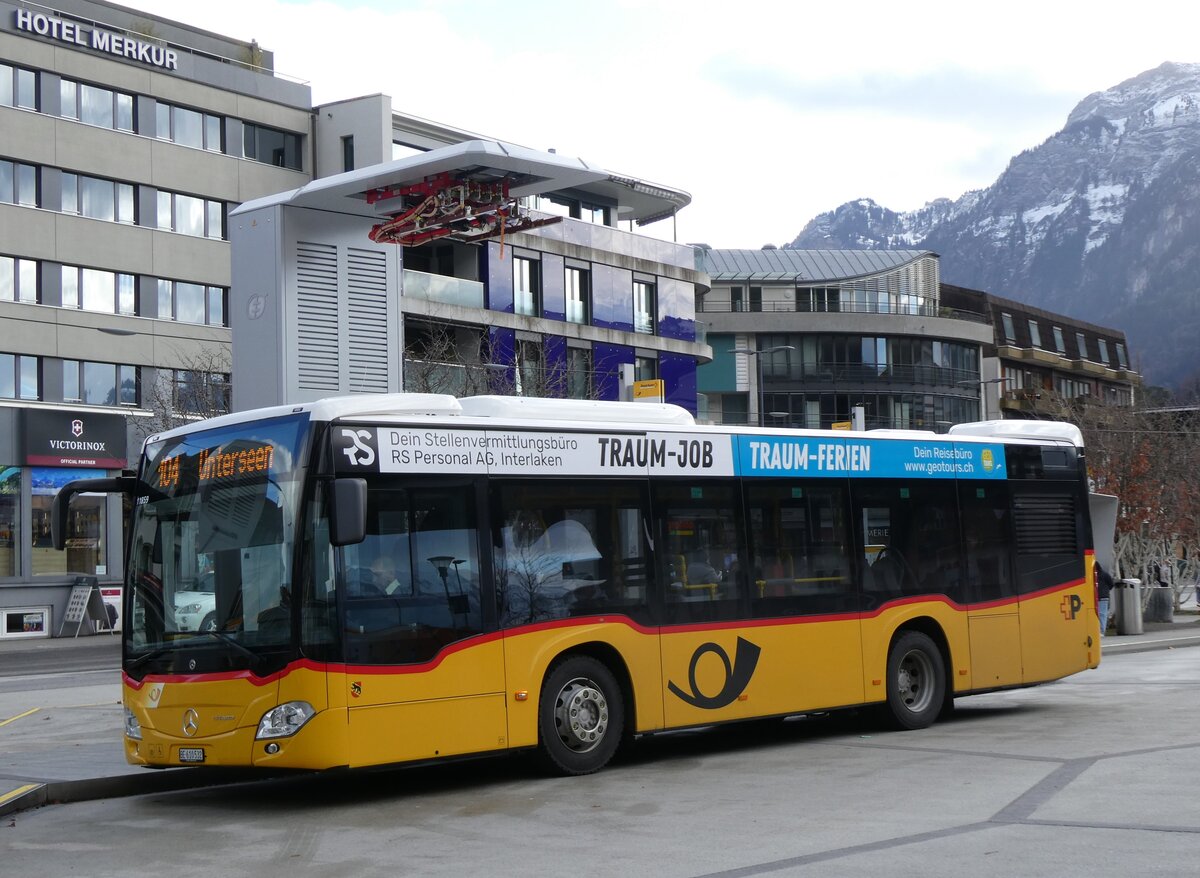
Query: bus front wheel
point(916, 682)
point(581, 716)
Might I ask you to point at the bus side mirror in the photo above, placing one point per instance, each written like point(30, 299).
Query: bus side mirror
point(348, 511)
point(62, 501)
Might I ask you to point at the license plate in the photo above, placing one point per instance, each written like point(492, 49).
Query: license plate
point(191, 754)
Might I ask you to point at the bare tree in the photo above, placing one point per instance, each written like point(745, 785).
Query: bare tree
point(196, 389)
point(441, 358)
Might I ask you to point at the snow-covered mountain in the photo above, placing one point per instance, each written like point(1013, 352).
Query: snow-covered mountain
point(1100, 222)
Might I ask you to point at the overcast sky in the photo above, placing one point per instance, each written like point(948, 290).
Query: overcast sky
point(767, 113)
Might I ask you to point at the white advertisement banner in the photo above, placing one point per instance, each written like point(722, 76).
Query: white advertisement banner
point(525, 453)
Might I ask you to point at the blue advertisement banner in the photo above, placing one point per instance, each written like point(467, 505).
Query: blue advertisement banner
point(861, 457)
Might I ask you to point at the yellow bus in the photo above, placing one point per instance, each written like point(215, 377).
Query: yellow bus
point(389, 579)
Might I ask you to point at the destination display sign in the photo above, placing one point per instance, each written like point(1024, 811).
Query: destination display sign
point(537, 453)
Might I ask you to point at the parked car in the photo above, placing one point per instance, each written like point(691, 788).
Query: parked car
point(196, 610)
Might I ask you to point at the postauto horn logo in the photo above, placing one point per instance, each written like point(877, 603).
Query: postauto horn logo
point(737, 675)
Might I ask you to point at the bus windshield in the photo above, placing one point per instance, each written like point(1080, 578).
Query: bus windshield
point(212, 537)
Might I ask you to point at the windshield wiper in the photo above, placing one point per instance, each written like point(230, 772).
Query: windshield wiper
point(229, 638)
point(145, 657)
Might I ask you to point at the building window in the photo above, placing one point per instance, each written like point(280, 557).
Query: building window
point(820, 299)
point(736, 302)
point(271, 146)
point(97, 198)
point(100, 383)
point(1010, 331)
point(529, 372)
point(92, 289)
point(348, 153)
point(190, 215)
point(572, 208)
point(18, 184)
point(645, 369)
point(579, 373)
point(578, 295)
point(1035, 333)
point(10, 519)
point(18, 87)
point(96, 106)
point(1081, 342)
point(86, 550)
point(188, 127)
point(1103, 345)
point(1122, 360)
point(19, 378)
point(1060, 344)
point(200, 393)
point(191, 303)
point(643, 307)
point(526, 292)
point(18, 280)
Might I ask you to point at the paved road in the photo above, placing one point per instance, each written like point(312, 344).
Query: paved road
point(1091, 776)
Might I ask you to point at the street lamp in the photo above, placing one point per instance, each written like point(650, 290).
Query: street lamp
point(983, 382)
point(758, 355)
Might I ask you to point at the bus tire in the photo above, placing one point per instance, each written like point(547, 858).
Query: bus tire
point(581, 716)
point(916, 682)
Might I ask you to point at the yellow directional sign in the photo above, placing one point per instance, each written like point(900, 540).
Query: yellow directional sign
point(650, 390)
point(842, 425)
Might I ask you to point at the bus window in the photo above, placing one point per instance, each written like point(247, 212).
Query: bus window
point(799, 548)
point(570, 550)
point(412, 586)
point(986, 541)
point(908, 531)
point(700, 556)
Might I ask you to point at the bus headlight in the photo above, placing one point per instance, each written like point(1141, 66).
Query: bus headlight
point(285, 720)
point(133, 728)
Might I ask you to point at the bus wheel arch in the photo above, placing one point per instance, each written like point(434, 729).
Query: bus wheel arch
point(585, 710)
point(917, 676)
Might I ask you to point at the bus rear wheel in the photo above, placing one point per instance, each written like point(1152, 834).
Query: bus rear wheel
point(581, 716)
point(916, 682)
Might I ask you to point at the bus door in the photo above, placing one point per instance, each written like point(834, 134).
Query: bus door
point(993, 608)
point(420, 681)
point(1056, 590)
point(802, 579)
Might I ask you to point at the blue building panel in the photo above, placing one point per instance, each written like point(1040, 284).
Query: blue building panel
point(676, 309)
point(554, 287)
point(612, 297)
point(678, 374)
point(498, 279)
point(720, 376)
point(606, 361)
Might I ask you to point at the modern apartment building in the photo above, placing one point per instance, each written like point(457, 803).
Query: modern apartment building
point(804, 337)
point(1048, 363)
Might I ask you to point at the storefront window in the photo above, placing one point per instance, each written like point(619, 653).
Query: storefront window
point(10, 518)
point(86, 550)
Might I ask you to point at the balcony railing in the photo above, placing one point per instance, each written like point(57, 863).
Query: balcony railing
point(440, 288)
point(897, 309)
point(870, 373)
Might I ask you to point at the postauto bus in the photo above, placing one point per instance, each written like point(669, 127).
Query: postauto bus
point(414, 577)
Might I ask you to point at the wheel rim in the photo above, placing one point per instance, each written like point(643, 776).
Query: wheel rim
point(914, 681)
point(581, 715)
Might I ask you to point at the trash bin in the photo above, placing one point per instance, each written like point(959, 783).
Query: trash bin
point(1128, 594)
point(1160, 604)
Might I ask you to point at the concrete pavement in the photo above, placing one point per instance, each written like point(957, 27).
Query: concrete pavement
point(61, 732)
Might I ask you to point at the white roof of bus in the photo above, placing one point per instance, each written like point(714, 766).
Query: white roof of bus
point(557, 413)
